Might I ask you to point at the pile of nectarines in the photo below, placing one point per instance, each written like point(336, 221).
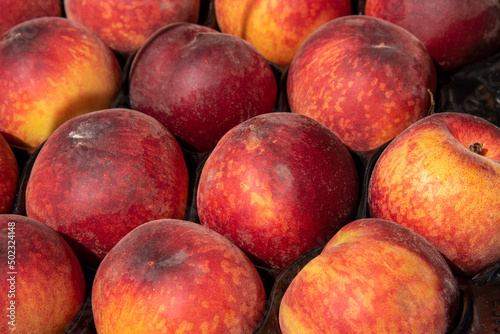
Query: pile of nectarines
point(250, 166)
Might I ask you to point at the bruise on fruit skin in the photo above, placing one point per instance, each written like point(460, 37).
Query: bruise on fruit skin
point(174, 260)
point(443, 173)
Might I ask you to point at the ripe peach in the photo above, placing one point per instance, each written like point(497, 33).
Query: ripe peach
point(174, 276)
point(364, 78)
point(456, 32)
point(9, 177)
point(373, 276)
point(15, 12)
point(52, 69)
point(199, 83)
point(125, 25)
point(101, 174)
point(277, 28)
point(278, 185)
point(440, 178)
point(43, 287)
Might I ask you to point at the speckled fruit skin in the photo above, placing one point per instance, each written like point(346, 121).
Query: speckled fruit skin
point(278, 185)
point(364, 78)
point(428, 180)
point(277, 28)
point(173, 276)
point(45, 287)
point(125, 25)
point(9, 177)
point(200, 83)
point(104, 173)
point(373, 276)
point(456, 32)
point(15, 12)
point(52, 69)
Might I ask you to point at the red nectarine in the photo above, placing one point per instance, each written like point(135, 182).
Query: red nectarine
point(278, 185)
point(101, 174)
point(200, 83)
point(15, 12)
point(456, 32)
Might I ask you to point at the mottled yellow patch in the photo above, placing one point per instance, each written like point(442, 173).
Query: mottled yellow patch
point(232, 201)
point(327, 98)
point(338, 107)
point(347, 235)
point(51, 82)
point(208, 327)
point(353, 310)
point(244, 187)
point(117, 25)
point(388, 71)
point(160, 325)
point(184, 326)
point(293, 320)
point(241, 168)
point(237, 272)
point(67, 38)
point(107, 10)
point(263, 200)
point(360, 95)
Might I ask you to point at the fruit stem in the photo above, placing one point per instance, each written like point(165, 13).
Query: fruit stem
point(476, 148)
point(433, 103)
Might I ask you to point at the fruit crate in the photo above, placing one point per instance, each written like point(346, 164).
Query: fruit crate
point(480, 309)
